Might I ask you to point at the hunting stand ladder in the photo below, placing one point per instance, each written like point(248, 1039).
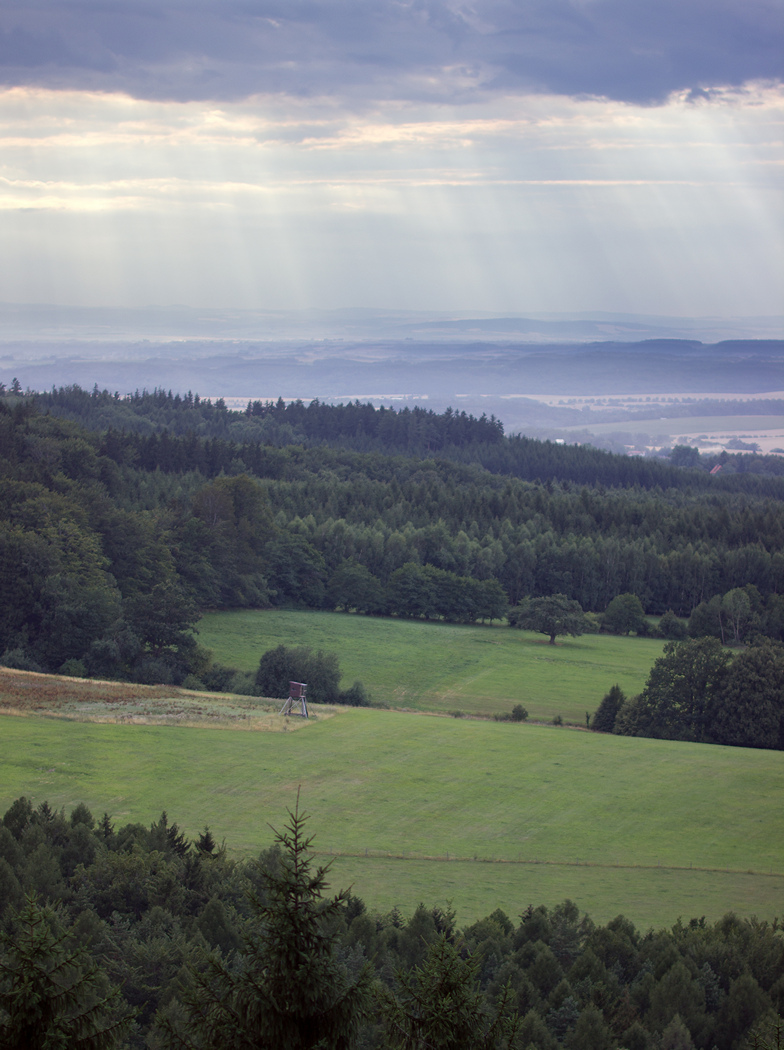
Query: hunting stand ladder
point(296, 699)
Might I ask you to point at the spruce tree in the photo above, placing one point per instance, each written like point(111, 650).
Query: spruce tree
point(288, 989)
point(52, 995)
point(439, 1005)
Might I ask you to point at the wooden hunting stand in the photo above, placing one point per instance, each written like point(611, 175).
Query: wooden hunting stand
point(296, 699)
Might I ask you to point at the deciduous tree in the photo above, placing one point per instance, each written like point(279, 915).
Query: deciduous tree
point(320, 671)
point(625, 614)
point(748, 709)
point(677, 702)
point(552, 615)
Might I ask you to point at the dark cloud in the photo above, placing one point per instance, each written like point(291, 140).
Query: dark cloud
point(453, 50)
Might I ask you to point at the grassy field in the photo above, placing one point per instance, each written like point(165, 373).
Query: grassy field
point(445, 667)
point(417, 807)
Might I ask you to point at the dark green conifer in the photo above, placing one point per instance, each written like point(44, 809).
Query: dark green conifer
point(288, 989)
point(51, 994)
point(438, 1005)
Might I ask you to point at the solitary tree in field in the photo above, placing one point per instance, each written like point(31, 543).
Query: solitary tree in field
point(552, 615)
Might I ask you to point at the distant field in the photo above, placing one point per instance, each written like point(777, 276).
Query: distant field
point(444, 667)
point(419, 807)
point(687, 425)
point(708, 432)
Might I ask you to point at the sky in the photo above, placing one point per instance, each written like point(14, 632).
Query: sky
point(500, 156)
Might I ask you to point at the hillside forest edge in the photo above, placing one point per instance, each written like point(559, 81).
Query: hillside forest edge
point(124, 518)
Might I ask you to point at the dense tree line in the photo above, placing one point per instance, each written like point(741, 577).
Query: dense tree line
point(415, 430)
point(198, 949)
point(698, 690)
point(111, 543)
point(411, 431)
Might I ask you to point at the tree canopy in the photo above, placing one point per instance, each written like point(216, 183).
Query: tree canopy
point(698, 690)
point(552, 615)
point(113, 539)
point(679, 697)
point(320, 671)
point(625, 614)
point(603, 720)
point(52, 994)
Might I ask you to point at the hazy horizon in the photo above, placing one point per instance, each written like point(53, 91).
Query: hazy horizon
point(48, 323)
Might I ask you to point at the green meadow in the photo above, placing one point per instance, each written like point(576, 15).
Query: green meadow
point(421, 807)
point(444, 667)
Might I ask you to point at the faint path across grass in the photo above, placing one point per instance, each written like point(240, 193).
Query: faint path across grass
point(650, 828)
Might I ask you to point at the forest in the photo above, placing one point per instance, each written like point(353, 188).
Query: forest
point(134, 936)
point(120, 525)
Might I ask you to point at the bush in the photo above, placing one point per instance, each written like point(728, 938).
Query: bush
point(74, 668)
point(190, 681)
point(243, 683)
point(154, 670)
point(356, 696)
point(216, 678)
point(625, 614)
point(105, 659)
point(319, 671)
point(517, 714)
point(671, 627)
point(18, 660)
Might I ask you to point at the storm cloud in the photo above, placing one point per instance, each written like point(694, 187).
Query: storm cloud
point(414, 50)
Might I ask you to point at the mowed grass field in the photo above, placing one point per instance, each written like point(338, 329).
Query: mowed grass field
point(444, 667)
point(422, 807)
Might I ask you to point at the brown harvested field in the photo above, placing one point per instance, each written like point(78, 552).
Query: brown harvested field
point(25, 693)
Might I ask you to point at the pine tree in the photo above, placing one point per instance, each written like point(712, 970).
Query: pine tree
point(52, 995)
point(288, 990)
point(438, 1006)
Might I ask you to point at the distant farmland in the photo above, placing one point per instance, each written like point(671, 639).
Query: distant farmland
point(445, 667)
point(672, 427)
